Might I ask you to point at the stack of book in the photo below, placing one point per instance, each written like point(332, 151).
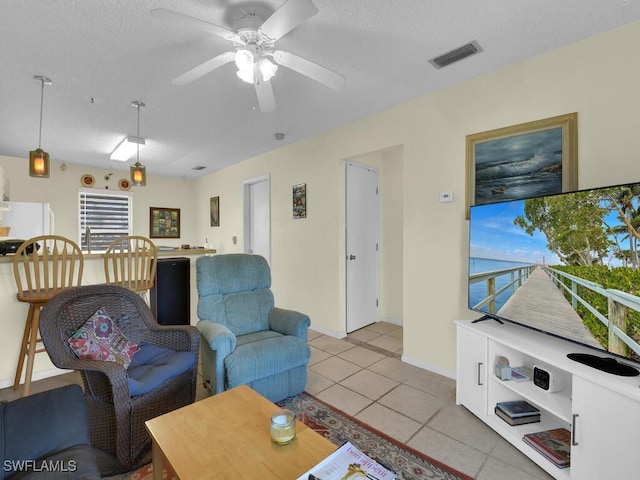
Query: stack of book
point(553, 444)
point(517, 412)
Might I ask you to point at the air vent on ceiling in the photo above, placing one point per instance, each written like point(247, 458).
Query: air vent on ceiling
point(199, 167)
point(456, 54)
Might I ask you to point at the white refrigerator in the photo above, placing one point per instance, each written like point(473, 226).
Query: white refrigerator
point(29, 219)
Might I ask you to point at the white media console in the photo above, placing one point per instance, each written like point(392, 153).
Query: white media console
point(601, 410)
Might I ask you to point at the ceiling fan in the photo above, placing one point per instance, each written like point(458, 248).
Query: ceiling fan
point(254, 42)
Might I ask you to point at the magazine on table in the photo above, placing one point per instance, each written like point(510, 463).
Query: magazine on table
point(347, 462)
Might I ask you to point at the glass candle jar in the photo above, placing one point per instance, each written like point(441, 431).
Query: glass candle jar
point(283, 426)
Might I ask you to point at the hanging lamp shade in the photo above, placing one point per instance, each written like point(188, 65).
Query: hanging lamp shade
point(138, 171)
point(138, 175)
point(39, 164)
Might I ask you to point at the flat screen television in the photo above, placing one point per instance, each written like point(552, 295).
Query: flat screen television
point(565, 264)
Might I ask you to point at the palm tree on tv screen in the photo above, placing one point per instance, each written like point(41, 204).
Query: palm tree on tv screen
point(582, 228)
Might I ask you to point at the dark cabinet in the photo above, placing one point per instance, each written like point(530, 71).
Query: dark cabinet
point(171, 295)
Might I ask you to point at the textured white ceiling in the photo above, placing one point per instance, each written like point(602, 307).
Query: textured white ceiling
point(103, 54)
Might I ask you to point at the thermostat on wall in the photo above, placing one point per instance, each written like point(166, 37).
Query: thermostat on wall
point(446, 197)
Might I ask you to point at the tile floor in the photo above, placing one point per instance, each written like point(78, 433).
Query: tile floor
point(363, 376)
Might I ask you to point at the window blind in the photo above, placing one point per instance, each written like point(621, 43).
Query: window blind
point(108, 216)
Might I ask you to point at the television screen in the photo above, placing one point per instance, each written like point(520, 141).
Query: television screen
point(565, 264)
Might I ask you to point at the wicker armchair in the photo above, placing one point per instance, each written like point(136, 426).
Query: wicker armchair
point(116, 419)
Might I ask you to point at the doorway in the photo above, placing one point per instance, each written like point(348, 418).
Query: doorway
point(257, 217)
point(362, 218)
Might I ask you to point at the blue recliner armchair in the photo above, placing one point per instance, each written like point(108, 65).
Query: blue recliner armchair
point(244, 338)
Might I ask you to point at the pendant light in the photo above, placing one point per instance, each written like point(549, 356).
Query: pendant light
point(38, 158)
point(138, 171)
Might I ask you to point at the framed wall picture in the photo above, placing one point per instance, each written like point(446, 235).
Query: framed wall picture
point(522, 161)
point(164, 222)
point(214, 211)
point(300, 200)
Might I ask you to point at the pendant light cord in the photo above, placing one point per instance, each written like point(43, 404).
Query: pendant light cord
point(138, 142)
point(41, 104)
point(138, 104)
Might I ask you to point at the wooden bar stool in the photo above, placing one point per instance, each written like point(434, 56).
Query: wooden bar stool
point(42, 266)
point(130, 262)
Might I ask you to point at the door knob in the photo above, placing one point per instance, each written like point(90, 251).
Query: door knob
point(352, 257)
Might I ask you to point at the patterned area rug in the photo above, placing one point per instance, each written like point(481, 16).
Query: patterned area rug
point(338, 427)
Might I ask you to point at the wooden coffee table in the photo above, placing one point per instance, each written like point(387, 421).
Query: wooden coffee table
point(228, 436)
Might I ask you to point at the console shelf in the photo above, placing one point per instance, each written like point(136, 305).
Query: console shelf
point(598, 408)
point(557, 405)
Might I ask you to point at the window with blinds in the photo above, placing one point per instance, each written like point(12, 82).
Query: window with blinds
point(108, 216)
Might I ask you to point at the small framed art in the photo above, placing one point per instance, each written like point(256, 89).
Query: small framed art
point(300, 200)
point(164, 222)
point(214, 211)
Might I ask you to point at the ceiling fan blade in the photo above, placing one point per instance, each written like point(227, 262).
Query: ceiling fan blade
point(287, 17)
point(194, 22)
point(312, 70)
point(204, 68)
point(266, 98)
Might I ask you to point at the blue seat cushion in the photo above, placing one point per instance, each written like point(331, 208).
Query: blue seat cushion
point(263, 354)
point(152, 366)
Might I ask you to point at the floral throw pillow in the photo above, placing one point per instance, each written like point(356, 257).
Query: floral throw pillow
point(101, 339)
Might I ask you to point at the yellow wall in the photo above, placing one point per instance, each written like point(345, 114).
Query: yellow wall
point(596, 78)
point(392, 237)
point(61, 192)
point(423, 153)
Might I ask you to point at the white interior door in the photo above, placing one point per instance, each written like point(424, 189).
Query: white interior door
point(257, 217)
point(362, 232)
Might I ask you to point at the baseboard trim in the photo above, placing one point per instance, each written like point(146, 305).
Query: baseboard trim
point(393, 321)
point(329, 332)
point(54, 372)
point(343, 333)
point(445, 372)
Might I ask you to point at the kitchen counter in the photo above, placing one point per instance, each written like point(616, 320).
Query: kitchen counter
point(177, 252)
point(14, 313)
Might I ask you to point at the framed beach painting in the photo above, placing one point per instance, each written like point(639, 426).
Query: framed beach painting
point(522, 161)
point(164, 222)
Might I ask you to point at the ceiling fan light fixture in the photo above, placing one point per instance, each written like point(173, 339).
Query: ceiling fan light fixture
point(253, 39)
point(244, 59)
point(245, 75)
point(267, 69)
